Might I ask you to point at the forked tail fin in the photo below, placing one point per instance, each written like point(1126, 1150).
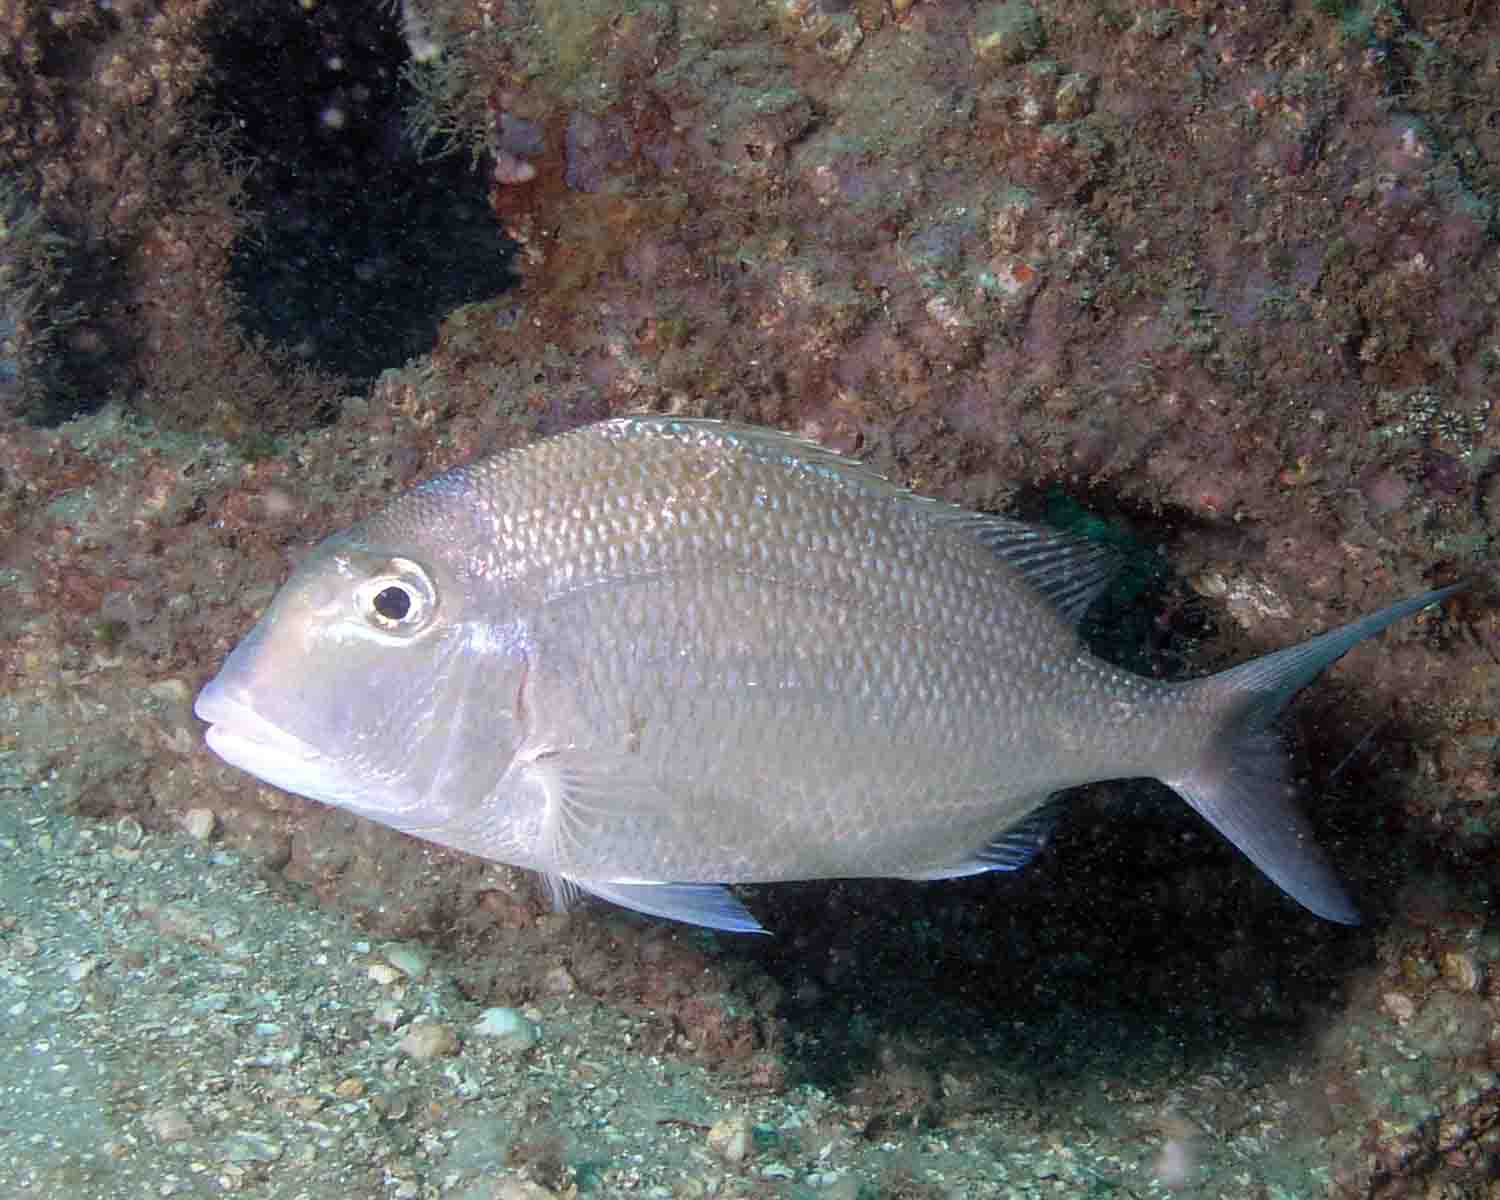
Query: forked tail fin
point(1240, 785)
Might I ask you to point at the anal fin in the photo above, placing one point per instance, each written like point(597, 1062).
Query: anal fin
point(710, 905)
point(1008, 851)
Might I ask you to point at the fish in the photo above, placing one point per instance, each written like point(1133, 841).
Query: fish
point(653, 657)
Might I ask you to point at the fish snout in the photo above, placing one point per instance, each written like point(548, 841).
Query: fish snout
point(241, 736)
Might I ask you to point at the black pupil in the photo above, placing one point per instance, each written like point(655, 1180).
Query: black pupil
point(393, 603)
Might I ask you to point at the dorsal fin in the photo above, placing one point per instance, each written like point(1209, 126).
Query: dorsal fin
point(1069, 571)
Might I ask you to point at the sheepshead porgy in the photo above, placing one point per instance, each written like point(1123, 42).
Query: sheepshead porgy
point(654, 656)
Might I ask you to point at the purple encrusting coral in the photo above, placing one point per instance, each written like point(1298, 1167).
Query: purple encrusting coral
point(593, 148)
point(1226, 273)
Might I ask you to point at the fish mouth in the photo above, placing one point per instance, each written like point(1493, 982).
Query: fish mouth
point(245, 739)
point(234, 726)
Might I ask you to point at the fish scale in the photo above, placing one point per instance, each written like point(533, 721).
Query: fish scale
point(655, 656)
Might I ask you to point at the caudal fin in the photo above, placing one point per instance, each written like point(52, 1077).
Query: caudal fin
point(1240, 785)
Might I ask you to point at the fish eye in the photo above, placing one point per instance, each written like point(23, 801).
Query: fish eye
point(392, 603)
point(399, 600)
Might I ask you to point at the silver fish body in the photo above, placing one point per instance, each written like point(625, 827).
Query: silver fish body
point(654, 656)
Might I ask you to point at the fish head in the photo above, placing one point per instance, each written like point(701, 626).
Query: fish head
point(376, 683)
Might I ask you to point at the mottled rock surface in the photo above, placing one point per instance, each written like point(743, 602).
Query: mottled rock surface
point(1224, 275)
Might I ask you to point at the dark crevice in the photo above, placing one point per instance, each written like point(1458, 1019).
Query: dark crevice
point(360, 248)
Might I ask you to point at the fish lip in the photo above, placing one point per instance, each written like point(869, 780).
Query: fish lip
point(235, 728)
point(245, 739)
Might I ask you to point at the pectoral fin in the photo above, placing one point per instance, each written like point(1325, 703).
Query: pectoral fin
point(585, 794)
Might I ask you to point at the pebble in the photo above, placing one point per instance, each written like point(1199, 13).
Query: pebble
point(383, 973)
point(1399, 1005)
point(508, 1030)
point(730, 1139)
point(200, 823)
point(1009, 32)
point(510, 170)
point(395, 1105)
point(429, 1040)
point(169, 1125)
point(1462, 971)
point(1075, 96)
point(409, 960)
point(838, 36)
